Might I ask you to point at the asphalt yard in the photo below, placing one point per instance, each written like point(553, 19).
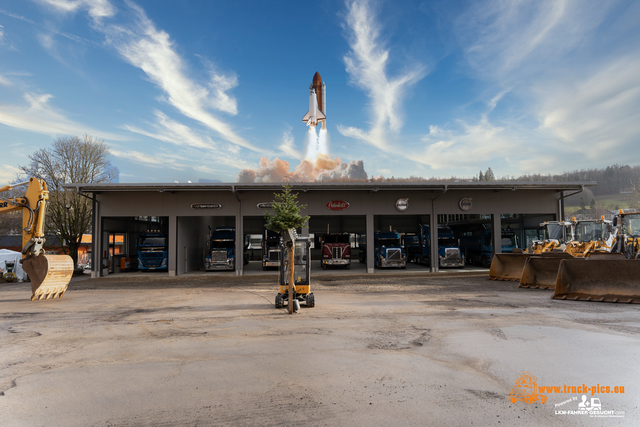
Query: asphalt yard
point(395, 349)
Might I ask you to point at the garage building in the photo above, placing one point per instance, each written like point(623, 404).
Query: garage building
point(186, 213)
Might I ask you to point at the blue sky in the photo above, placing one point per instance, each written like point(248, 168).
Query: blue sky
point(189, 90)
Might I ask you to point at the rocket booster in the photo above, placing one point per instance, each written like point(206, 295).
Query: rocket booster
point(317, 103)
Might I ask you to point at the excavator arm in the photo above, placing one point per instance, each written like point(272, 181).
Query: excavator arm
point(49, 274)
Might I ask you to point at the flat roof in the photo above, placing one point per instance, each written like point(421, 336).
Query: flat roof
point(306, 186)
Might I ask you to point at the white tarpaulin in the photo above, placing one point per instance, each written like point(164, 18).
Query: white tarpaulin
point(7, 255)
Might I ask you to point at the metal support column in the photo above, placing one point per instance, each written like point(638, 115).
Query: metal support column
point(433, 238)
point(173, 245)
point(370, 248)
point(496, 234)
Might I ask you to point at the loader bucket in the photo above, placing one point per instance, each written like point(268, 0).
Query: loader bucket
point(49, 274)
point(540, 271)
point(508, 266)
point(609, 280)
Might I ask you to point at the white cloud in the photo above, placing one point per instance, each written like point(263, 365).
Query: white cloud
point(1, 34)
point(40, 117)
point(156, 160)
point(287, 145)
point(8, 173)
point(366, 64)
point(151, 50)
point(597, 115)
point(4, 81)
point(176, 133)
point(97, 9)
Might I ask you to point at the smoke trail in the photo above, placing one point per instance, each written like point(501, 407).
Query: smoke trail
point(311, 141)
point(323, 142)
point(322, 169)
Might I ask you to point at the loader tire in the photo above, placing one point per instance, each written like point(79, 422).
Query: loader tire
point(311, 300)
point(279, 301)
point(486, 261)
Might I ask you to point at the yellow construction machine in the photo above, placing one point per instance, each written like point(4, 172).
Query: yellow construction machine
point(49, 274)
point(584, 238)
point(511, 266)
point(611, 280)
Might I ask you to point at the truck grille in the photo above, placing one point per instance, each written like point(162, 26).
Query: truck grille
point(274, 256)
point(394, 254)
point(218, 256)
point(452, 254)
point(151, 259)
point(336, 252)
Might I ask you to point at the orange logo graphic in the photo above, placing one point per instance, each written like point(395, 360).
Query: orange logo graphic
point(526, 389)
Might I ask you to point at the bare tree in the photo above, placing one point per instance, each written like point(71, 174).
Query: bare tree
point(71, 160)
point(11, 222)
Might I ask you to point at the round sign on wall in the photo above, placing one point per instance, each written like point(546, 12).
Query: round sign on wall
point(402, 204)
point(337, 205)
point(465, 203)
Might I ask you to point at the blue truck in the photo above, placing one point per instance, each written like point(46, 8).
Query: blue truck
point(449, 253)
point(478, 247)
point(388, 252)
point(152, 249)
point(221, 249)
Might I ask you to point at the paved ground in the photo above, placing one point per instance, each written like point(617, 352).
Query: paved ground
point(435, 349)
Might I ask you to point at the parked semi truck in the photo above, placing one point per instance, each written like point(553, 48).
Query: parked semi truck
point(336, 250)
point(411, 244)
point(221, 249)
point(388, 252)
point(271, 251)
point(449, 253)
point(478, 248)
point(153, 250)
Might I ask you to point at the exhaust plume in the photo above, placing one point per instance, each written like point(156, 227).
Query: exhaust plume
point(322, 169)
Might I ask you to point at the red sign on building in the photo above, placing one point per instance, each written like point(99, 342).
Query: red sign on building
point(337, 205)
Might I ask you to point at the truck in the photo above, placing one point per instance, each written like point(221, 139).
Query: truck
point(478, 249)
point(152, 246)
point(449, 253)
point(411, 243)
point(388, 252)
point(336, 250)
point(271, 250)
point(221, 249)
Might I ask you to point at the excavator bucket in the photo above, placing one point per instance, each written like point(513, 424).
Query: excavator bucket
point(49, 274)
point(508, 266)
point(540, 271)
point(609, 280)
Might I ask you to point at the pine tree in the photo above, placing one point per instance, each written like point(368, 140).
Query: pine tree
point(480, 176)
point(286, 212)
point(489, 176)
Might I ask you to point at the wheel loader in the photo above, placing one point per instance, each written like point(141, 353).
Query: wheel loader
point(49, 274)
point(586, 237)
point(510, 266)
point(606, 279)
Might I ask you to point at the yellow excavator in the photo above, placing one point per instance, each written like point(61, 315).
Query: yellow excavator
point(49, 274)
point(607, 279)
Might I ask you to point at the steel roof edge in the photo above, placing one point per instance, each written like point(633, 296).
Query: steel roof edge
point(306, 186)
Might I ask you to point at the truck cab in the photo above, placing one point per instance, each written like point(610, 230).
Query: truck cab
point(152, 249)
point(271, 250)
point(411, 243)
point(221, 249)
point(449, 253)
point(336, 250)
point(478, 246)
point(387, 250)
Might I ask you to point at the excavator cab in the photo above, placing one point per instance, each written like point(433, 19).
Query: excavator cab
point(49, 274)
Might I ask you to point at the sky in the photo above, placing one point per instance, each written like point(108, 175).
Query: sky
point(190, 90)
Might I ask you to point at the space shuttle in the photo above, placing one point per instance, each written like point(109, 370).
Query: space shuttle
point(317, 103)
